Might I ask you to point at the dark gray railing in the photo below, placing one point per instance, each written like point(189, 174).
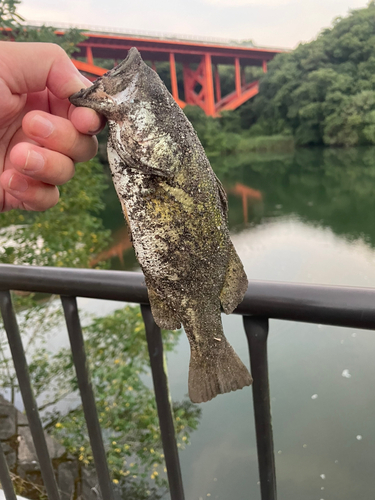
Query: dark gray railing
point(340, 306)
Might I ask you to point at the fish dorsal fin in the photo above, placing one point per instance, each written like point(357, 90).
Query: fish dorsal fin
point(223, 197)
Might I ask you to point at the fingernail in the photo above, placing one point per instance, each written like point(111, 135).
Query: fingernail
point(94, 132)
point(80, 82)
point(41, 127)
point(85, 81)
point(95, 118)
point(18, 183)
point(34, 161)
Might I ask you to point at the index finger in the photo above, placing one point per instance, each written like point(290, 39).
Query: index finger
point(31, 67)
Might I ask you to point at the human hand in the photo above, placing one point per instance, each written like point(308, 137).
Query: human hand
point(42, 135)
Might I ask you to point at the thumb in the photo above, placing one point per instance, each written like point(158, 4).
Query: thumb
point(31, 67)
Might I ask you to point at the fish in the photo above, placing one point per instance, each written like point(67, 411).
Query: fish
point(177, 212)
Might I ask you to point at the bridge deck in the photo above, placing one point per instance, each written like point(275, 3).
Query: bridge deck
point(111, 46)
point(201, 83)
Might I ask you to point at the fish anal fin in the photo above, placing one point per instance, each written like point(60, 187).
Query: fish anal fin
point(216, 371)
point(163, 315)
point(235, 284)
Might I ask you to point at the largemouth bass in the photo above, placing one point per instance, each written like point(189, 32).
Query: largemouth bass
point(176, 209)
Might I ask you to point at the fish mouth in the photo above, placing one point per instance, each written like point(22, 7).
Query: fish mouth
point(109, 84)
point(82, 97)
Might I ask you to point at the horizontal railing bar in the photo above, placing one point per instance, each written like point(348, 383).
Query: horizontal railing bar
point(96, 284)
point(330, 305)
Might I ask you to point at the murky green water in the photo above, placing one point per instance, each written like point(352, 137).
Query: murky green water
point(307, 217)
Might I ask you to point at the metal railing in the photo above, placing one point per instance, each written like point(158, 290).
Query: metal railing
point(330, 305)
point(105, 30)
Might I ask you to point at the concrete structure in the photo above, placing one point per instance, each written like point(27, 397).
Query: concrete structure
point(74, 481)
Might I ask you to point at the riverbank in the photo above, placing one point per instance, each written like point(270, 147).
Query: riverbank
point(230, 144)
point(266, 144)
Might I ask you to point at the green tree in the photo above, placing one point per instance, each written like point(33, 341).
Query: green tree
point(322, 91)
point(9, 18)
point(119, 364)
point(69, 234)
point(47, 34)
point(8, 15)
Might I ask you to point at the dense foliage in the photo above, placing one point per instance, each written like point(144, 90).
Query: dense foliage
point(8, 14)
point(68, 234)
point(9, 18)
point(119, 364)
point(324, 91)
point(68, 41)
point(225, 136)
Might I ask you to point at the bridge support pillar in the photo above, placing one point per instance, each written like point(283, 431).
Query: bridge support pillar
point(237, 68)
point(217, 83)
point(173, 76)
point(199, 85)
point(89, 57)
point(209, 84)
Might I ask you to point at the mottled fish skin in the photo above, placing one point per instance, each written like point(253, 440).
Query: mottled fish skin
point(176, 209)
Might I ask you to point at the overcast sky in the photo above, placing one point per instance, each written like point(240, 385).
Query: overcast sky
point(274, 23)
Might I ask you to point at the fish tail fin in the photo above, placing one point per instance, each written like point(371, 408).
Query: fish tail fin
point(215, 369)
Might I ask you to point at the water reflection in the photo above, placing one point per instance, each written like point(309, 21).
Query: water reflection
point(331, 188)
point(327, 188)
point(249, 196)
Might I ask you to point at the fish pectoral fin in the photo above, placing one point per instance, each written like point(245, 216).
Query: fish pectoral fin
point(151, 163)
point(163, 315)
point(235, 284)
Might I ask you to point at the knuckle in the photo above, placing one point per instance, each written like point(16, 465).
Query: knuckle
point(65, 173)
point(59, 51)
point(86, 148)
point(41, 198)
point(45, 201)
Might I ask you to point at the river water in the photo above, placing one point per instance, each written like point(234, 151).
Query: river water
point(304, 217)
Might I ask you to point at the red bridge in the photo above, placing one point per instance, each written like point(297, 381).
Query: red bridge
point(199, 60)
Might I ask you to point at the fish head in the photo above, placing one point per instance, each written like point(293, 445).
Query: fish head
point(144, 120)
point(114, 90)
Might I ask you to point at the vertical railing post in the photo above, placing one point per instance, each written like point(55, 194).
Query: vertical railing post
point(87, 395)
point(5, 479)
point(155, 349)
point(256, 329)
point(30, 404)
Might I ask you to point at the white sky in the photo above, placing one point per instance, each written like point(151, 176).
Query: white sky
point(273, 23)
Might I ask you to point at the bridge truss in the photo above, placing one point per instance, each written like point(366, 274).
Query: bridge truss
point(200, 61)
